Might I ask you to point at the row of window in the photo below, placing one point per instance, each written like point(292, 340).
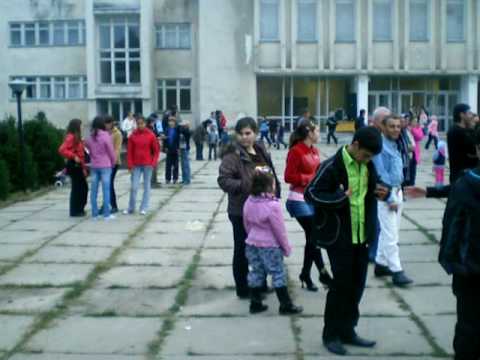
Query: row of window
point(419, 20)
point(54, 87)
point(72, 33)
point(47, 33)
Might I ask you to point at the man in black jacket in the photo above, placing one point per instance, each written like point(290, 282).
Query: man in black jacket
point(344, 193)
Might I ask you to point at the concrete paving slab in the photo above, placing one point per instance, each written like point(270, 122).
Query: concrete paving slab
point(430, 300)
point(180, 227)
point(11, 252)
point(46, 274)
point(70, 255)
point(73, 238)
point(101, 226)
point(161, 241)
point(212, 257)
point(125, 302)
point(13, 328)
point(414, 237)
point(30, 300)
point(97, 336)
point(391, 334)
point(25, 237)
point(218, 277)
point(427, 274)
point(142, 277)
point(164, 257)
point(418, 253)
point(203, 336)
point(62, 356)
point(219, 240)
point(443, 330)
point(40, 225)
point(407, 225)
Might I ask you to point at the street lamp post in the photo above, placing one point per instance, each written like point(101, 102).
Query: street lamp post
point(18, 86)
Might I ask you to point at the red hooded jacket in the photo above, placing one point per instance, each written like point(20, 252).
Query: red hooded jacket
point(143, 149)
point(302, 165)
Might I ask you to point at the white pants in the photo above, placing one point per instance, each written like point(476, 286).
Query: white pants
point(388, 253)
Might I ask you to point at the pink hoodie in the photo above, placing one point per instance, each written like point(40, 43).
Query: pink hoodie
point(418, 135)
point(263, 220)
point(102, 153)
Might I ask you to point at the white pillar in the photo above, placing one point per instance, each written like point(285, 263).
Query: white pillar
point(147, 46)
point(361, 83)
point(90, 57)
point(469, 91)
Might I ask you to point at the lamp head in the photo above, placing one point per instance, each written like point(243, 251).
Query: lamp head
point(18, 86)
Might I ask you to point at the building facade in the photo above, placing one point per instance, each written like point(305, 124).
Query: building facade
point(247, 57)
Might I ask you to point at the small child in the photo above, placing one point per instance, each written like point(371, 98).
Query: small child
point(212, 141)
point(266, 243)
point(439, 159)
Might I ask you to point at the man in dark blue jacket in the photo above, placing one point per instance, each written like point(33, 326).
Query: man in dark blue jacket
point(172, 149)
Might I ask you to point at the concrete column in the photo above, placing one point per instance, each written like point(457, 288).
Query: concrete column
point(469, 91)
point(469, 34)
point(361, 83)
point(293, 30)
point(283, 33)
point(443, 34)
point(395, 35)
point(369, 35)
point(358, 34)
point(91, 57)
point(406, 36)
point(331, 34)
point(147, 46)
point(320, 17)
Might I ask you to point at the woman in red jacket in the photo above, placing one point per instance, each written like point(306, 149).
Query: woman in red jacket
point(73, 151)
point(303, 160)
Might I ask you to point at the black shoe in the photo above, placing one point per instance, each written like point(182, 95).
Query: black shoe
point(325, 278)
point(359, 342)
point(256, 305)
point(335, 346)
point(381, 271)
point(114, 211)
point(306, 280)
point(400, 279)
point(243, 294)
point(286, 305)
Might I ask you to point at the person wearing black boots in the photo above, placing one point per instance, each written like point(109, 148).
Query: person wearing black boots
point(344, 193)
point(303, 160)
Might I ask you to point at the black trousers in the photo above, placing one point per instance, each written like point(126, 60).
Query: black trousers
point(466, 343)
point(312, 254)
point(430, 139)
point(212, 148)
point(413, 171)
point(113, 195)
point(79, 190)
point(349, 265)
point(331, 134)
point(171, 166)
point(199, 148)
point(240, 262)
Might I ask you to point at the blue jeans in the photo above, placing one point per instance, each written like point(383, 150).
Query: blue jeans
point(185, 162)
point(101, 175)
point(373, 247)
point(137, 172)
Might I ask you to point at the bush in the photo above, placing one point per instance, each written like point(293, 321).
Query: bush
point(4, 180)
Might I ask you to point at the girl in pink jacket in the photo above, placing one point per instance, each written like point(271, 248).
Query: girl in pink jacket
point(266, 243)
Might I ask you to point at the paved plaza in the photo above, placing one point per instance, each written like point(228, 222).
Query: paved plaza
point(161, 286)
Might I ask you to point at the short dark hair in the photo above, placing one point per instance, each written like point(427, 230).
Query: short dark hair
point(108, 119)
point(457, 110)
point(262, 182)
point(369, 138)
point(246, 122)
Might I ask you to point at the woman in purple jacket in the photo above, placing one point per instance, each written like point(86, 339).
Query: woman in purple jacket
point(103, 158)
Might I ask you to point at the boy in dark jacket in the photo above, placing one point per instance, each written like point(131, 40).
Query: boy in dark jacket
point(172, 148)
point(344, 193)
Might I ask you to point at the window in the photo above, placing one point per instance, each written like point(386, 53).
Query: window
point(269, 12)
point(174, 92)
point(47, 33)
point(307, 20)
point(119, 53)
point(382, 20)
point(455, 21)
point(345, 21)
point(54, 88)
point(419, 20)
point(174, 36)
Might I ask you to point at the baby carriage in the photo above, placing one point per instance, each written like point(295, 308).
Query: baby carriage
point(60, 178)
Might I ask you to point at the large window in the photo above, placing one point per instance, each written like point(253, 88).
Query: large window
point(345, 21)
point(174, 92)
point(47, 33)
point(119, 40)
point(419, 20)
point(119, 108)
point(174, 36)
point(307, 20)
point(382, 20)
point(269, 25)
point(54, 87)
point(455, 21)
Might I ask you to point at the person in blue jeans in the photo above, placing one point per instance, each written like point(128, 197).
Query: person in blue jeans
point(184, 142)
point(103, 158)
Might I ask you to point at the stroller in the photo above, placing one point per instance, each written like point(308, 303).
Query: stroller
point(60, 178)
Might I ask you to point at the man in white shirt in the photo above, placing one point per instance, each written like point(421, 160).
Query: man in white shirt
point(129, 124)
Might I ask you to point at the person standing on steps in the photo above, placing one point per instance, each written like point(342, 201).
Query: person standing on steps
point(303, 160)
point(344, 194)
point(142, 155)
point(266, 243)
point(239, 160)
point(73, 151)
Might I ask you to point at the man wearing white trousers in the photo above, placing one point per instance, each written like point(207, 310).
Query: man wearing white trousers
point(390, 168)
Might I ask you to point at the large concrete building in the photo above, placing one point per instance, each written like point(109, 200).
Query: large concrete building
point(257, 57)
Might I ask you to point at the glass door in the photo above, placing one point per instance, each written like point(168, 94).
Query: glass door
point(406, 102)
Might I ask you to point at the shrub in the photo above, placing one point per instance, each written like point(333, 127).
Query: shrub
point(4, 180)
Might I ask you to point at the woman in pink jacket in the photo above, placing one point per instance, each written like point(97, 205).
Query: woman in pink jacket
point(418, 135)
point(103, 158)
point(266, 243)
point(432, 133)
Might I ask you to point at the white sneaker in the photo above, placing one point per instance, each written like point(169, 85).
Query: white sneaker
point(111, 217)
point(126, 212)
point(143, 212)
